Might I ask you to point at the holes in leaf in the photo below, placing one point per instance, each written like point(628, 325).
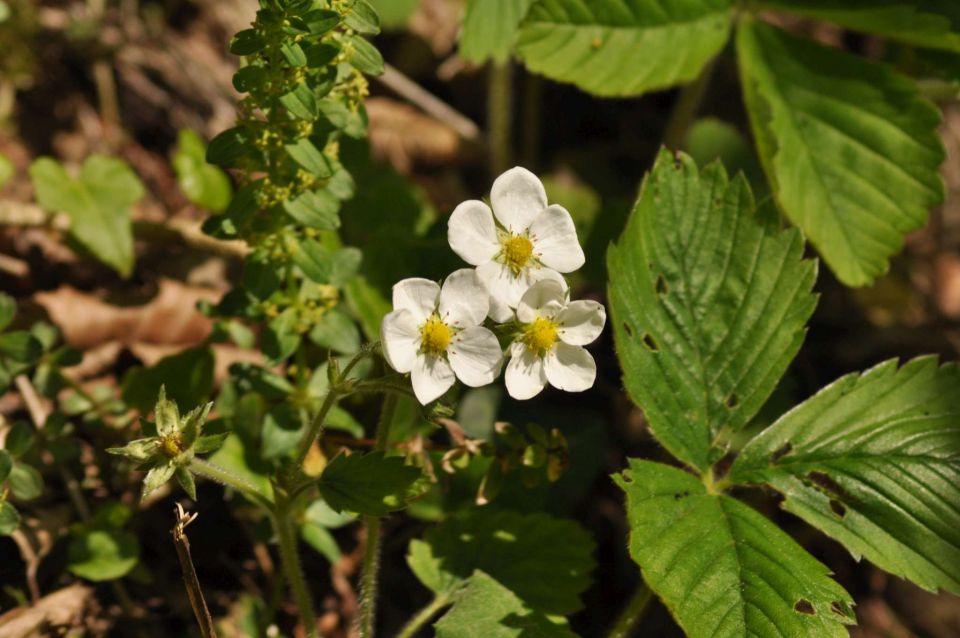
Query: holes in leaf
point(662, 287)
point(732, 401)
point(825, 483)
point(628, 329)
point(842, 609)
point(804, 606)
point(679, 495)
point(650, 343)
point(781, 452)
point(838, 508)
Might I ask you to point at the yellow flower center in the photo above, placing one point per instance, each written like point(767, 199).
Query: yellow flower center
point(540, 335)
point(517, 251)
point(171, 445)
point(435, 336)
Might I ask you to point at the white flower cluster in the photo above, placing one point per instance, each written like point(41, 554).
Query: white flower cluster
point(519, 250)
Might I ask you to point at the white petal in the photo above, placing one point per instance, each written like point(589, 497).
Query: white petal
point(464, 300)
point(517, 197)
point(400, 338)
point(525, 376)
point(499, 311)
point(554, 240)
point(502, 284)
point(417, 295)
point(475, 356)
point(472, 233)
point(570, 368)
point(546, 298)
point(431, 377)
point(581, 322)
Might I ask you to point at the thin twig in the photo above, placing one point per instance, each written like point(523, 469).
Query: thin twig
point(429, 103)
point(190, 580)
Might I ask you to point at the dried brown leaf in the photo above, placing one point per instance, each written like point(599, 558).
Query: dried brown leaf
point(169, 318)
point(404, 136)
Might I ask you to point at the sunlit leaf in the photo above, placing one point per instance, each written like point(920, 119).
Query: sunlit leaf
point(873, 460)
point(544, 560)
point(490, 29)
point(721, 568)
point(98, 203)
point(487, 609)
point(204, 184)
point(623, 47)
point(709, 305)
point(849, 146)
point(100, 555)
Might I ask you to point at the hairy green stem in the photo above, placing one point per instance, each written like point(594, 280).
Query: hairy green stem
point(423, 616)
point(226, 477)
point(499, 114)
point(686, 108)
point(333, 395)
point(293, 571)
point(316, 427)
point(630, 616)
point(371, 554)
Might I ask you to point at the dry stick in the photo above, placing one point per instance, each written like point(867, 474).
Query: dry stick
point(429, 103)
point(190, 580)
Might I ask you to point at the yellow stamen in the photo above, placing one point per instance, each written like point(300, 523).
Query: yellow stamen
point(435, 336)
point(517, 251)
point(541, 335)
point(171, 445)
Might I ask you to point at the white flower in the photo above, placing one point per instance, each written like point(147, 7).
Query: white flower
point(531, 242)
point(548, 346)
point(434, 334)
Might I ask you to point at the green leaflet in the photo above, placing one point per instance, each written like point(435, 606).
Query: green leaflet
point(370, 484)
point(490, 29)
point(708, 305)
point(623, 47)
point(873, 460)
point(722, 569)
point(544, 560)
point(204, 184)
point(925, 23)
point(849, 146)
point(487, 609)
point(100, 555)
point(98, 203)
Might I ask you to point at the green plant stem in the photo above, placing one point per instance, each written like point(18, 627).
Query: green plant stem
point(424, 615)
point(293, 571)
point(499, 114)
point(228, 478)
point(316, 427)
point(632, 613)
point(371, 554)
point(333, 395)
point(686, 108)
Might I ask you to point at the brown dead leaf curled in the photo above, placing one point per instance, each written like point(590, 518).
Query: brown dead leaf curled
point(68, 611)
point(169, 318)
point(438, 23)
point(404, 136)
